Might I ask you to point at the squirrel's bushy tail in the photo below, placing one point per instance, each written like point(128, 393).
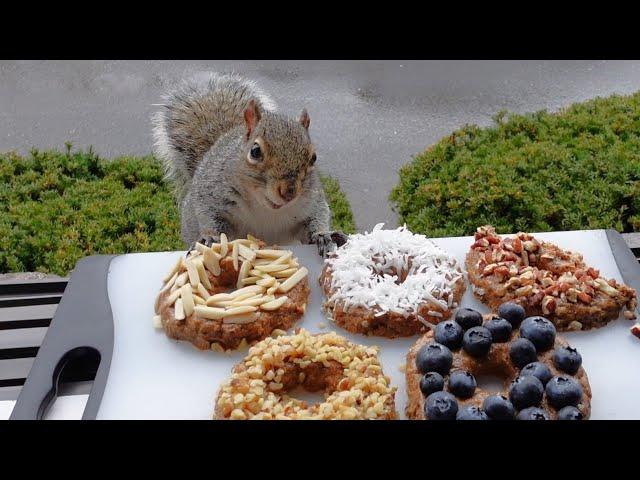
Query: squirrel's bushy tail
point(195, 115)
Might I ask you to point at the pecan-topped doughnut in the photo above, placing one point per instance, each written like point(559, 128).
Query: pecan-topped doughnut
point(545, 280)
point(232, 293)
point(390, 283)
point(543, 376)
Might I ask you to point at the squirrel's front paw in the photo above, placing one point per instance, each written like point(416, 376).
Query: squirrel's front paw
point(328, 241)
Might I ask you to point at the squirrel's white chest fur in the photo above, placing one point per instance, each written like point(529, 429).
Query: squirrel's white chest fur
point(281, 226)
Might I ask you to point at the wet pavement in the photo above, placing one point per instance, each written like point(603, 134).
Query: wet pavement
point(367, 118)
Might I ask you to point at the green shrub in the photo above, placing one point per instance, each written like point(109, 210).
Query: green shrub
point(575, 169)
point(56, 207)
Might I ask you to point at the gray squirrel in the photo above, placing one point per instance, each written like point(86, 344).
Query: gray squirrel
point(239, 166)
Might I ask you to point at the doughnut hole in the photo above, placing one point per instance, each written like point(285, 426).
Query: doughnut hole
point(316, 378)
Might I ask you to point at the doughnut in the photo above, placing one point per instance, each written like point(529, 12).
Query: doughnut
point(543, 376)
point(231, 294)
point(350, 375)
point(545, 280)
point(390, 283)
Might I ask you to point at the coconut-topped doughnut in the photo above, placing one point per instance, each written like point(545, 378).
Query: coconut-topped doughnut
point(545, 280)
point(231, 294)
point(390, 283)
point(351, 376)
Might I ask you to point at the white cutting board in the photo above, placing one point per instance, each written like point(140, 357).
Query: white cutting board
point(153, 377)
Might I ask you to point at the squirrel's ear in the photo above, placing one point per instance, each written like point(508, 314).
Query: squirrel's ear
point(251, 116)
point(304, 119)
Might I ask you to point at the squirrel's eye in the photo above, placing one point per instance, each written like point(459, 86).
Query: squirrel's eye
point(313, 159)
point(256, 152)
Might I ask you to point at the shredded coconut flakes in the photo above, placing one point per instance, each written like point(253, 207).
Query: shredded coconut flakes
point(364, 272)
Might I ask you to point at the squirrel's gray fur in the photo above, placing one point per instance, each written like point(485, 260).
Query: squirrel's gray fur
point(204, 136)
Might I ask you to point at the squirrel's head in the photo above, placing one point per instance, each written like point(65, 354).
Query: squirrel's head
point(278, 154)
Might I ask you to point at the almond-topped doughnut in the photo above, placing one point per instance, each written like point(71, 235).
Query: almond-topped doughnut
point(390, 283)
point(351, 376)
point(231, 294)
point(542, 375)
point(545, 280)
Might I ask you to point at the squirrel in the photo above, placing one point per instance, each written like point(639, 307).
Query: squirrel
point(239, 167)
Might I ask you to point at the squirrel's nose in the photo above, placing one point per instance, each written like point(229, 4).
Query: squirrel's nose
point(287, 190)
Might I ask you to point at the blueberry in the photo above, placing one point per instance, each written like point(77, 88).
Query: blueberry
point(540, 331)
point(434, 357)
point(569, 413)
point(522, 352)
point(533, 413)
point(512, 313)
point(477, 341)
point(526, 392)
point(500, 329)
point(471, 413)
point(462, 384)
point(567, 359)
point(468, 318)
point(431, 382)
point(538, 370)
point(498, 407)
point(449, 334)
point(441, 406)
point(562, 391)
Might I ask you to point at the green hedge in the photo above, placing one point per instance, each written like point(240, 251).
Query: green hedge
point(56, 207)
point(575, 169)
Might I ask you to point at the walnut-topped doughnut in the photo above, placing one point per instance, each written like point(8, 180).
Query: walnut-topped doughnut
point(390, 283)
point(350, 375)
point(231, 294)
point(545, 280)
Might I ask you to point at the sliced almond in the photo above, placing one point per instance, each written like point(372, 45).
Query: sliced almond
point(234, 256)
point(171, 299)
point(224, 245)
point(239, 310)
point(219, 297)
point(275, 304)
point(271, 268)
point(253, 301)
point(253, 289)
point(241, 319)
point(182, 279)
point(187, 299)
point(250, 280)
point(157, 321)
point(194, 277)
point(285, 273)
point(267, 281)
point(198, 300)
point(244, 270)
point(283, 258)
point(251, 238)
point(203, 292)
point(246, 253)
point(179, 310)
point(174, 269)
point(241, 241)
point(202, 273)
point(293, 280)
point(209, 312)
point(273, 288)
point(211, 260)
point(266, 253)
point(254, 246)
point(170, 283)
point(201, 247)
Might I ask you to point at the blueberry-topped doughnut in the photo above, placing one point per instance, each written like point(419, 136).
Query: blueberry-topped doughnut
point(543, 378)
